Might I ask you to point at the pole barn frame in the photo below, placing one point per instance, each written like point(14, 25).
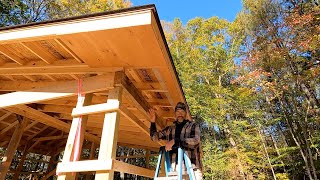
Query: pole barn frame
point(87, 79)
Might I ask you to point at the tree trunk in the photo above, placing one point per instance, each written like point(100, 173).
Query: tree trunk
point(296, 141)
point(277, 150)
point(266, 153)
point(233, 144)
point(309, 153)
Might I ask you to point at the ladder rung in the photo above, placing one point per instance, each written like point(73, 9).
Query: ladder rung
point(175, 173)
point(84, 166)
point(94, 109)
point(167, 178)
point(171, 178)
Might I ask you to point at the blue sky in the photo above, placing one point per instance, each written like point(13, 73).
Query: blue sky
point(187, 9)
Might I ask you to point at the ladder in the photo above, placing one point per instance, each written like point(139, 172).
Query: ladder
point(182, 155)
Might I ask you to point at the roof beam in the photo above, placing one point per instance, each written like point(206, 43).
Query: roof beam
point(72, 101)
point(37, 133)
point(47, 138)
point(8, 127)
point(30, 78)
point(55, 108)
point(11, 55)
point(25, 85)
point(30, 125)
point(59, 67)
point(59, 90)
point(124, 111)
point(135, 96)
point(43, 118)
point(3, 117)
point(66, 48)
point(39, 51)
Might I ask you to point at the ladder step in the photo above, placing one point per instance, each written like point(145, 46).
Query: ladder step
point(94, 109)
point(174, 176)
point(171, 178)
point(167, 178)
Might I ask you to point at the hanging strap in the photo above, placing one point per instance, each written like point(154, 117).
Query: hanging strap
point(76, 148)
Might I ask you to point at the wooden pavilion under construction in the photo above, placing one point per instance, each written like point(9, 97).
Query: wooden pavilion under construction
point(88, 79)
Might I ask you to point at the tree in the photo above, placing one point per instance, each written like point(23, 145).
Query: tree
point(67, 8)
point(281, 46)
point(26, 11)
point(203, 51)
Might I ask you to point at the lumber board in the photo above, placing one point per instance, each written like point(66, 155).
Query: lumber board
point(84, 166)
point(59, 90)
point(109, 136)
point(70, 149)
point(134, 95)
point(95, 109)
point(57, 29)
point(66, 48)
point(131, 169)
point(12, 147)
point(104, 166)
point(39, 51)
point(55, 69)
point(9, 54)
point(43, 118)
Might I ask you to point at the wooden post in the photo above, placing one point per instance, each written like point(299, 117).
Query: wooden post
point(54, 156)
point(12, 147)
point(49, 174)
point(92, 153)
point(147, 158)
point(109, 137)
point(20, 165)
point(162, 170)
point(70, 150)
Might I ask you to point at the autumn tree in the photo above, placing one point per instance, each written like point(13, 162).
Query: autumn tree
point(204, 52)
point(26, 11)
point(282, 48)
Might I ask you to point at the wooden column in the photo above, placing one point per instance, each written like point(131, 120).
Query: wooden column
point(12, 147)
point(91, 157)
point(70, 146)
point(49, 174)
point(51, 169)
point(147, 158)
point(20, 165)
point(92, 151)
point(109, 137)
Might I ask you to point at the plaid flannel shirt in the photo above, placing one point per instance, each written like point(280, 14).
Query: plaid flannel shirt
point(189, 140)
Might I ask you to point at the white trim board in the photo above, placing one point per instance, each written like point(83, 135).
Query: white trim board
point(89, 24)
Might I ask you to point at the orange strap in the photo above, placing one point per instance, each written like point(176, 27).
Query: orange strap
point(76, 149)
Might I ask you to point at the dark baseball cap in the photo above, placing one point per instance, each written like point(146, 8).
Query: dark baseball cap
point(180, 105)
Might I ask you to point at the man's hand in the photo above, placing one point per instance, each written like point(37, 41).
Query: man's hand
point(169, 145)
point(152, 114)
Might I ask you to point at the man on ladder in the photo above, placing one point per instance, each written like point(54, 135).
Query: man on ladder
point(183, 133)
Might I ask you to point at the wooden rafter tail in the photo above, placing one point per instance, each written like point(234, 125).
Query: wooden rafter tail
point(135, 96)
